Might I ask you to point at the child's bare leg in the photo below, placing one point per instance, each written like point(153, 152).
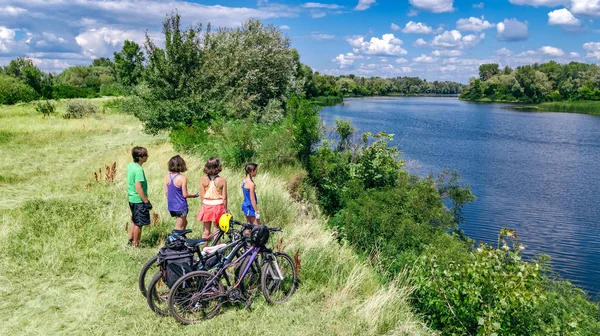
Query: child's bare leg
point(206, 231)
point(137, 235)
point(130, 231)
point(181, 223)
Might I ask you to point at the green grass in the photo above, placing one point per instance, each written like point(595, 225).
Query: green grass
point(66, 268)
point(586, 107)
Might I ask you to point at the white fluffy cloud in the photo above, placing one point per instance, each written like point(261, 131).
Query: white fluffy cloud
point(593, 49)
point(538, 3)
point(503, 52)
point(512, 30)
point(364, 4)
point(562, 17)
point(453, 39)
point(417, 28)
point(101, 42)
point(388, 45)
point(434, 6)
point(6, 38)
point(447, 53)
point(424, 59)
point(573, 54)
point(395, 27)
point(473, 24)
point(420, 43)
point(552, 51)
point(401, 60)
point(347, 60)
point(586, 7)
point(479, 5)
point(284, 27)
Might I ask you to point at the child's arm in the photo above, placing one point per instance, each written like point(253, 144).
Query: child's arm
point(251, 188)
point(225, 193)
point(202, 191)
point(140, 191)
point(184, 190)
point(167, 186)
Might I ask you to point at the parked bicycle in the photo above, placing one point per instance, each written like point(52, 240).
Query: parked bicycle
point(151, 266)
point(176, 262)
point(199, 295)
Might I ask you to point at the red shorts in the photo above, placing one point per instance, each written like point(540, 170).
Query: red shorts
point(210, 213)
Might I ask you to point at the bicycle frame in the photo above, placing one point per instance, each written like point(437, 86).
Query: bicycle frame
point(254, 250)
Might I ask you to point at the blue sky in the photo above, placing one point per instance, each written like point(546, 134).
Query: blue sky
point(432, 39)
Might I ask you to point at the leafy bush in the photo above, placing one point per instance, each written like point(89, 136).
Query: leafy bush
point(77, 109)
point(45, 107)
point(112, 89)
point(493, 291)
point(65, 92)
point(304, 117)
point(13, 91)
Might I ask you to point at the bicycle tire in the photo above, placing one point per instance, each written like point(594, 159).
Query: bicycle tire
point(158, 295)
point(142, 281)
point(251, 282)
point(269, 283)
point(185, 297)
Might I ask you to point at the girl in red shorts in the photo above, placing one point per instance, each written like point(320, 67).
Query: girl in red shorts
point(213, 190)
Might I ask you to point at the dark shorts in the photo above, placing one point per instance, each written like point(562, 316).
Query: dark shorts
point(180, 213)
point(139, 214)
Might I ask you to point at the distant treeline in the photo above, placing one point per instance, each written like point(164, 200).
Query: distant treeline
point(535, 83)
point(318, 85)
point(22, 81)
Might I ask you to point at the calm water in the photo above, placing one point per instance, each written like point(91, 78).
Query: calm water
point(538, 173)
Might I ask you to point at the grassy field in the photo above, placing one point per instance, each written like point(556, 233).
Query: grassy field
point(66, 268)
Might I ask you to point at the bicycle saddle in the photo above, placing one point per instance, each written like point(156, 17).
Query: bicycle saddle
point(194, 242)
point(182, 232)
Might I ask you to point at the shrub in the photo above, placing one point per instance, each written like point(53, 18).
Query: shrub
point(494, 291)
point(65, 91)
point(77, 109)
point(13, 91)
point(112, 89)
point(45, 107)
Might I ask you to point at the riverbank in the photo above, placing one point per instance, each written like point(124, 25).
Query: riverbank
point(67, 269)
point(582, 107)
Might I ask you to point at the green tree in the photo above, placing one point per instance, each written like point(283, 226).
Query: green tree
point(23, 69)
point(486, 71)
point(129, 64)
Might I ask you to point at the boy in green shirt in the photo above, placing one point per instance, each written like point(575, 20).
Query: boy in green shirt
point(137, 191)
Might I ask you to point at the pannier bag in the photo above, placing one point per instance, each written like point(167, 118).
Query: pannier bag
point(174, 264)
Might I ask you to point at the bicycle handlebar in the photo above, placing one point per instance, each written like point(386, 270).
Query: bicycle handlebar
point(250, 226)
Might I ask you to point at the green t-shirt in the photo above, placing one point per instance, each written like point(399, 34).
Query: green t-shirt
point(135, 173)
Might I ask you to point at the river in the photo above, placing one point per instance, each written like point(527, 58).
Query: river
point(537, 173)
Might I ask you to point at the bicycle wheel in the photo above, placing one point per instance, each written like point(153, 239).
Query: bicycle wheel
point(188, 303)
point(158, 295)
point(148, 270)
point(279, 278)
point(251, 281)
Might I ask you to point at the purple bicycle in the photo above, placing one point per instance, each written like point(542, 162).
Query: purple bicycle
point(199, 295)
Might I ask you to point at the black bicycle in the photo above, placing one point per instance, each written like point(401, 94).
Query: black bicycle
point(199, 295)
point(208, 259)
point(151, 266)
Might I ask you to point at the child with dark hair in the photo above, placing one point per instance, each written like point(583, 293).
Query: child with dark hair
point(176, 191)
point(137, 191)
point(250, 204)
point(213, 190)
